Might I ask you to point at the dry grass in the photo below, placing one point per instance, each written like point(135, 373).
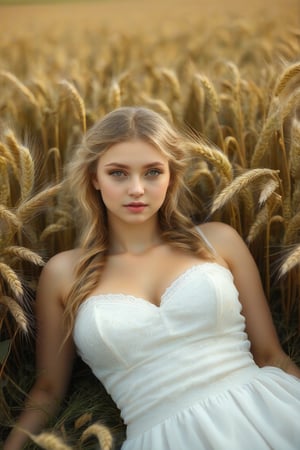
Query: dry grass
point(233, 82)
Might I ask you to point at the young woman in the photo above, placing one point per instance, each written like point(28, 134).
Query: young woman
point(162, 311)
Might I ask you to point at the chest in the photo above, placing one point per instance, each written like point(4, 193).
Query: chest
point(145, 276)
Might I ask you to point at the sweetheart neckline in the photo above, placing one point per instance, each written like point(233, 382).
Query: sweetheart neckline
point(166, 292)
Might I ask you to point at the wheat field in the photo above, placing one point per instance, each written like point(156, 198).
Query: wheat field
point(229, 75)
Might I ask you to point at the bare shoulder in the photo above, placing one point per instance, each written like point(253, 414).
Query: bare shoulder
point(218, 231)
point(225, 239)
point(58, 274)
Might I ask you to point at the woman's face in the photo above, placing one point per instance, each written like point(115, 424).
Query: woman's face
point(133, 177)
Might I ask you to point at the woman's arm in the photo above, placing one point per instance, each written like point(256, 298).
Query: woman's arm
point(53, 363)
point(265, 344)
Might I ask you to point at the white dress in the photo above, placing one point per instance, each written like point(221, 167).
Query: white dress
point(182, 373)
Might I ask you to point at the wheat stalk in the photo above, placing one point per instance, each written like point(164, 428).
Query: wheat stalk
point(16, 311)
point(291, 104)
point(269, 188)
point(9, 217)
point(286, 76)
point(77, 100)
point(48, 441)
point(239, 183)
point(214, 157)
point(114, 95)
point(27, 209)
point(102, 433)
point(23, 253)
point(82, 420)
point(20, 87)
point(27, 177)
point(4, 182)
point(12, 279)
point(292, 230)
point(209, 88)
point(292, 260)
point(8, 156)
point(14, 148)
point(295, 149)
point(271, 125)
point(50, 229)
point(158, 105)
point(172, 79)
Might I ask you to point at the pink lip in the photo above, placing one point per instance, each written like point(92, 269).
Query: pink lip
point(135, 207)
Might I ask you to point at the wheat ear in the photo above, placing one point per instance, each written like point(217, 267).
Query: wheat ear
point(239, 183)
point(271, 125)
point(24, 253)
point(12, 279)
point(294, 162)
point(20, 87)
point(158, 105)
point(14, 148)
point(27, 209)
point(172, 79)
point(82, 420)
point(4, 182)
point(215, 157)
point(102, 433)
point(16, 311)
point(52, 228)
point(269, 188)
point(292, 230)
point(286, 76)
point(77, 100)
point(210, 91)
point(291, 261)
point(48, 441)
point(291, 104)
point(10, 159)
point(27, 178)
point(114, 95)
point(9, 217)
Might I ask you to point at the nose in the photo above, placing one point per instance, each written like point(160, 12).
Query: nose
point(136, 188)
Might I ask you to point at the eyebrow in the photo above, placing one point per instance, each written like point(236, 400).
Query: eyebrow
point(124, 166)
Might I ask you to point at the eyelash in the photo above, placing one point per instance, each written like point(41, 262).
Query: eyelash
point(121, 173)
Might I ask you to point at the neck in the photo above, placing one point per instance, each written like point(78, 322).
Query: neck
point(135, 239)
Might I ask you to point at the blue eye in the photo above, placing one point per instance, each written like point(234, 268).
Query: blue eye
point(153, 172)
point(117, 173)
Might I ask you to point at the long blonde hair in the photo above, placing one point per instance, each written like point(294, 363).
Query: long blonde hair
point(176, 226)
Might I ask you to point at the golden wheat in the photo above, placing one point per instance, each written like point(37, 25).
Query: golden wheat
point(267, 135)
point(12, 220)
point(16, 311)
point(290, 262)
point(27, 171)
point(82, 420)
point(4, 182)
point(20, 87)
point(102, 433)
point(289, 73)
point(214, 157)
point(29, 208)
point(294, 164)
point(292, 230)
point(77, 100)
point(4, 152)
point(269, 188)
point(23, 253)
point(14, 148)
point(48, 441)
point(114, 95)
point(12, 279)
point(239, 183)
